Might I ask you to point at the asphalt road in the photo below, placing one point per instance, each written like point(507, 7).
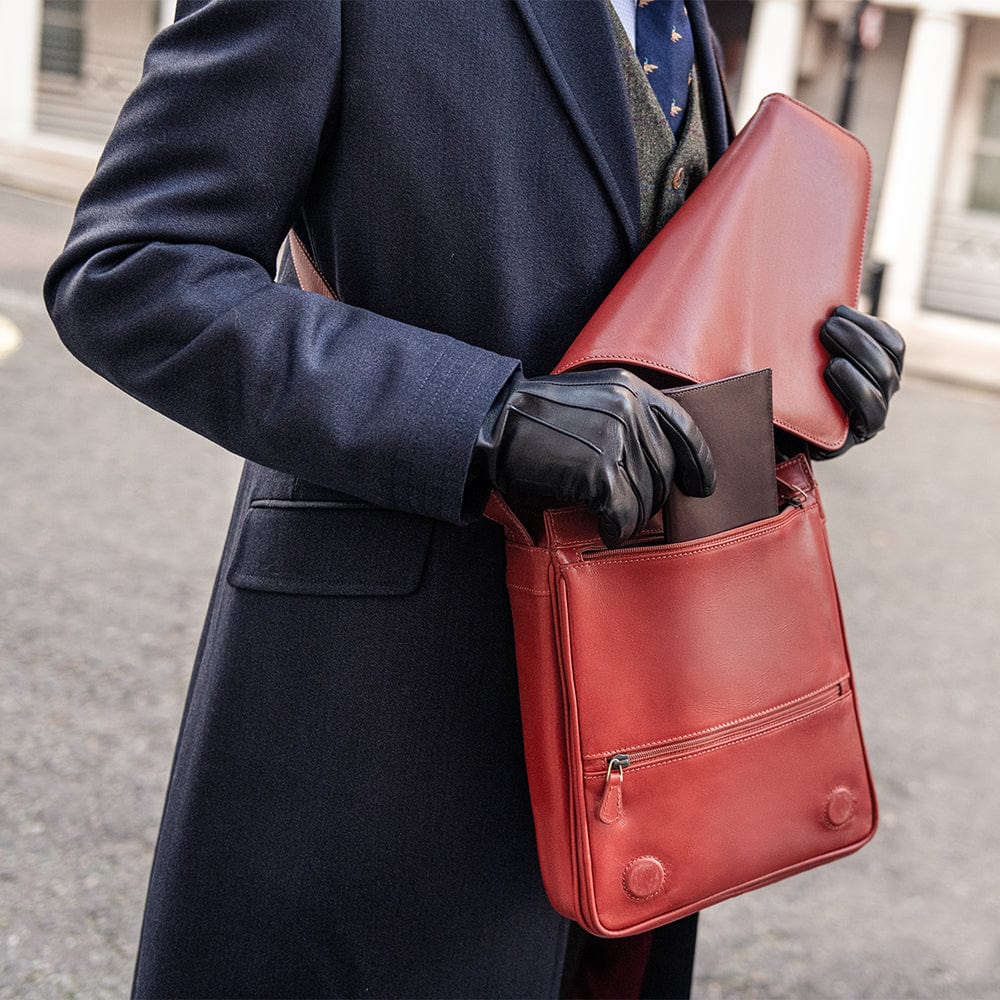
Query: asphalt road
point(111, 522)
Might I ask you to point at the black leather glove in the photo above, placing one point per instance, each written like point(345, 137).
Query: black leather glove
point(863, 373)
point(601, 438)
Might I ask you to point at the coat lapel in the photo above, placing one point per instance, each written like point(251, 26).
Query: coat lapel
point(577, 47)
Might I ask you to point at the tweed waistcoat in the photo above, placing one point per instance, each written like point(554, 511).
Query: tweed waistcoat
point(669, 167)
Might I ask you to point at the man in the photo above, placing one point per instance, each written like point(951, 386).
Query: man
point(348, 813)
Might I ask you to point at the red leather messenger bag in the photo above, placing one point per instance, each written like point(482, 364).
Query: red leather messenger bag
point(690, 721)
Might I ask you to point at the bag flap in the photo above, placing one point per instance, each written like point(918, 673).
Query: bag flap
point(747, 271)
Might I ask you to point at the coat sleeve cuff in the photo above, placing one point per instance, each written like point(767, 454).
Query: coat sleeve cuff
point(433, 474)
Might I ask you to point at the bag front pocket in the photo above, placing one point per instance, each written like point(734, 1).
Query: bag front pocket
point(613, 767)
point(700, 825)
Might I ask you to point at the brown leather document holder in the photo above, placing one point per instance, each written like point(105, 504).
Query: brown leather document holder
point(734, 415)
point(745, 273)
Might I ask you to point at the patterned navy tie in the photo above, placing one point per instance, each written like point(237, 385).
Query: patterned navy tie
point(665, 51)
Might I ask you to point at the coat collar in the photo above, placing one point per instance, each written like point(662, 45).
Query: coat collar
point(577, 47)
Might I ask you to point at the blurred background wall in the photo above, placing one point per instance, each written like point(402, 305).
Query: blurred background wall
point(919, 82)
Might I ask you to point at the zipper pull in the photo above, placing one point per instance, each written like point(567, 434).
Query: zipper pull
point(611, 801)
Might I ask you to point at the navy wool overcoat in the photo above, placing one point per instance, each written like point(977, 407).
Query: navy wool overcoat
point(348, 812)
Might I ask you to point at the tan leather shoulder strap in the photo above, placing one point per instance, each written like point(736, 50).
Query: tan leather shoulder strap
point(310, 280)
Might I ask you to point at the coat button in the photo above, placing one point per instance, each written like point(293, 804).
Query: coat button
point(677, 181)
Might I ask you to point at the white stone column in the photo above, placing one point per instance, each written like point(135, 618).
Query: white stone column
point(772, 57)
point(910, 188)
point(20, 39)
point(167, 12)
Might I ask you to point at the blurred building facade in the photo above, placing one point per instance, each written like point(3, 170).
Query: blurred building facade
point(66, 67)
point(926, 104)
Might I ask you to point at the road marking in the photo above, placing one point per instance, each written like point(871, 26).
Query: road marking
point(10, 338)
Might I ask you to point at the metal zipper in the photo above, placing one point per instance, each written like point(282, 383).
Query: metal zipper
point(611, 807)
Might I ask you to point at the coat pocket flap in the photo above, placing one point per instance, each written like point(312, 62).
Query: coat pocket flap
point(329, 548)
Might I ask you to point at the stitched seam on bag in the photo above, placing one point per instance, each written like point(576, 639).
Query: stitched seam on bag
point(555, 517)
point(803, 432)
point(559, 539)
point(527, 590)
point(557, 536)
point(800, 463)
point(618, 808)
point(722, 725)
point(739, 540)
point(798, 460)
point(649, 362)
point(733, 742)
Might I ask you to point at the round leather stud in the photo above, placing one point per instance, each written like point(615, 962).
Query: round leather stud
point(839, 807)
point(643, 877)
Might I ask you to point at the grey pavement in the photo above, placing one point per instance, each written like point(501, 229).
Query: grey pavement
point(111, 522)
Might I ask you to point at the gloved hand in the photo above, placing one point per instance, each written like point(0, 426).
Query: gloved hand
point(601, 438)
point(863, 373)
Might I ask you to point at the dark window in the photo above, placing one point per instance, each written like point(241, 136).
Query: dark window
point(985, 194)
point(62, 37)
